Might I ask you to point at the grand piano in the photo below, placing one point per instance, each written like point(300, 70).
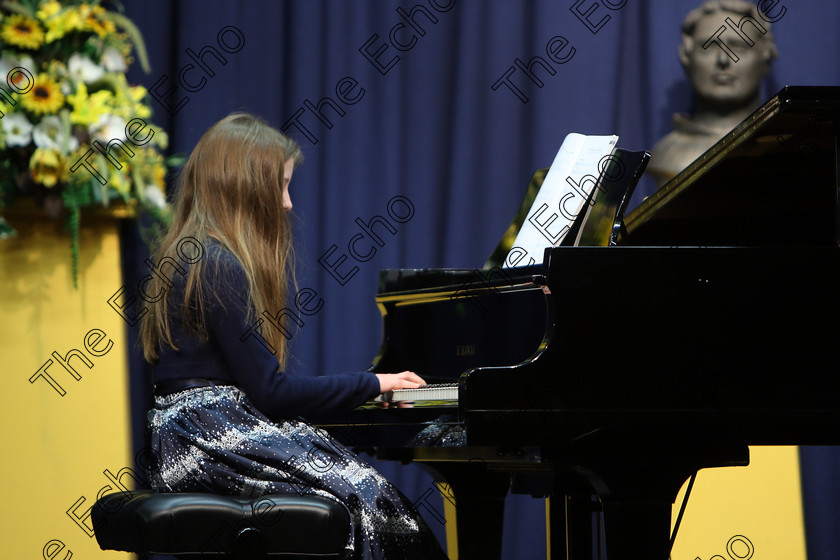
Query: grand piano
point(607, 376)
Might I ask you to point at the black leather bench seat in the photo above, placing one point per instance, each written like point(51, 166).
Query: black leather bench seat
point(279, 526)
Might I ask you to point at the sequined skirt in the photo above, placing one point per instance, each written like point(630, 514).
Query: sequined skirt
point(212, 439)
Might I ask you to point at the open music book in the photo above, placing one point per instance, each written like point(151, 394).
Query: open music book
point(577, 170)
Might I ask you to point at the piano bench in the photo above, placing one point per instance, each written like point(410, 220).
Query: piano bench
point(203, 526)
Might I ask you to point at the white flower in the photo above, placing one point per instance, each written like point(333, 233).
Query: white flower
point(83, 69)
point(6, 64)
point(18, 129)
point(9, 61)
point(27, 62)
point(107, 128)
point(155, 196)
point(49, 133)
point(113, 60)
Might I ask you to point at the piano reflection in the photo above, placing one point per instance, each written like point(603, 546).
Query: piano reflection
point(666, 342)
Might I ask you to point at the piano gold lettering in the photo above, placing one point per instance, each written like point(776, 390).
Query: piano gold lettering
point(400, 210)
point(465, 350)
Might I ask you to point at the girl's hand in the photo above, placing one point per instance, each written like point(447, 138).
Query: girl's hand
point(402, 380)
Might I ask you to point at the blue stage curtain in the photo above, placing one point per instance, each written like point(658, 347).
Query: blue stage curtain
point(426, 123)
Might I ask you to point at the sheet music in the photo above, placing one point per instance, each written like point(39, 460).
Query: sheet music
point(570, 181)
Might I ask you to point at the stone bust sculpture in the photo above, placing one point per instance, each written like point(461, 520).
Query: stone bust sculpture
point(726, 50)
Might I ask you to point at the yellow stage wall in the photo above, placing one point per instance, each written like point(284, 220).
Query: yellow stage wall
point(755, 510)
point(57, 449)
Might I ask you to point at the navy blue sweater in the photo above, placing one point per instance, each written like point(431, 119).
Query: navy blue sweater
point(249, 364)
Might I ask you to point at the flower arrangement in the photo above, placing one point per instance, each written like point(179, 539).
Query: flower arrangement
point(66, 110)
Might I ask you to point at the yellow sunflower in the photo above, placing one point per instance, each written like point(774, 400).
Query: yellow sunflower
point(45, 97)
point(93, 19)
point(46, 166)
point(48, 10)
point(22, 32)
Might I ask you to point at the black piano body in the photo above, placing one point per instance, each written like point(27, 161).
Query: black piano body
point(619, 371)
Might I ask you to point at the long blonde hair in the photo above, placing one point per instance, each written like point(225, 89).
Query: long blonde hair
point(231, 186)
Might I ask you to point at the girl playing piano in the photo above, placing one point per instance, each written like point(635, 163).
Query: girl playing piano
point(226, 416)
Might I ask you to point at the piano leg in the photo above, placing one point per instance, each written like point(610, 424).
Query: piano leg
point(637, 489)
point(479, 508)
point(569, 524)
point(633, 530)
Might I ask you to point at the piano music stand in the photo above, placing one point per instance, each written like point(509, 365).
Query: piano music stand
point(603, 220)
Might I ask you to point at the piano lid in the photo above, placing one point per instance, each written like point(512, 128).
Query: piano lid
point(771, 181)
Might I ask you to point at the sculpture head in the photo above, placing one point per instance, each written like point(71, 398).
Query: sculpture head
point(727, 48)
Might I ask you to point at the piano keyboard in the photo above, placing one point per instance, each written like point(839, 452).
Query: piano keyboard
point(434, 392)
